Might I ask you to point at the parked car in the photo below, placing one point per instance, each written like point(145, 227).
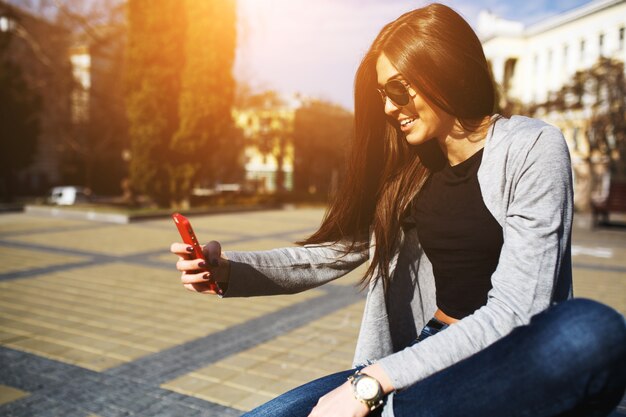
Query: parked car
point(68, 195)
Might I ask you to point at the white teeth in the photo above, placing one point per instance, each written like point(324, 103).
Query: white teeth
point(406, 122)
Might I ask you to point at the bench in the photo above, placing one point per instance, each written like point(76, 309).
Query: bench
point(615, 202)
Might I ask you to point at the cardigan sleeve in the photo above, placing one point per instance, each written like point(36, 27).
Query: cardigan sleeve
point(289, 270)
point(536, 233)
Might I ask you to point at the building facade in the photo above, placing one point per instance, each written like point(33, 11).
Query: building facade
point(39, 48)
point(269, 152)
point(531, 64)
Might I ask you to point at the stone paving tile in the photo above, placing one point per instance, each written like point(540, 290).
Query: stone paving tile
point(599, 255)
point(9, 394)
point(13, 259)
point(127, 316)
point(58, 389)
point(15, 223)
point(100, 317)
point(606, 287)
point(111, 240)
point(260, 223)
point(318, 348)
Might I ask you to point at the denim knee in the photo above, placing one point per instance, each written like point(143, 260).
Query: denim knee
point(581, 333)
point(593, 318)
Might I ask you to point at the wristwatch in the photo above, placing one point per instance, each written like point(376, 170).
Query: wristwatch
point(366, 389)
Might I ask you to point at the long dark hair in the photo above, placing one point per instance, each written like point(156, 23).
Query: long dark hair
point(439, 54)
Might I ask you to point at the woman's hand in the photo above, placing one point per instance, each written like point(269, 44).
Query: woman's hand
point(340, 402)
point(197, 274)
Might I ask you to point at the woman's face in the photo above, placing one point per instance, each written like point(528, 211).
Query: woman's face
point(420, 120)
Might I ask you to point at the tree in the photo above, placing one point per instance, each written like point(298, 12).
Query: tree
point(206, 96)
point(92, 153)
point(20, 108)
point(599, 91)
point(606, 86)
point(592, 106)
point(154, 63)
point(107, 127)
point(83, 121)
point(322, 132)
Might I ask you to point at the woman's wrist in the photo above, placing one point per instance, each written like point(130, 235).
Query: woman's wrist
point(376, 371)
point(222, 272)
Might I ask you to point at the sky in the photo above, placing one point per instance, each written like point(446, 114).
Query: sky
point(314, 47)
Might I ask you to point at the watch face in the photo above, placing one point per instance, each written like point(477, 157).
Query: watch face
point(367, 388)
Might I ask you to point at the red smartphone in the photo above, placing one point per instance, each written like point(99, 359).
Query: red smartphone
point(189, 237)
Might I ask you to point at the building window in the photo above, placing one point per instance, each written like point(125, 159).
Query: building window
point(601, 44)
point(621, 38)
point(549, 58)
point(509, 73)
point(582, 48)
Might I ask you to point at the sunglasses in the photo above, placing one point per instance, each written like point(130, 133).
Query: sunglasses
point(397, 91)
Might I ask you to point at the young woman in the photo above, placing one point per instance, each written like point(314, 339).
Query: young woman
point(465, 218)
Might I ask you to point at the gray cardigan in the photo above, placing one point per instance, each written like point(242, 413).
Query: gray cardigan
point(525, 180)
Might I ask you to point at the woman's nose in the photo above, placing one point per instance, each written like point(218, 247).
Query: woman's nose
point(390, 107)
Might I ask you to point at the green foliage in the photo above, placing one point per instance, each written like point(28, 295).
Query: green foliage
point(601, 91)
point(206, 95)
point(154, 63)
point(20, 107)
point(180, 93)
point(108, 126)
point(322, 134)
point(97, 141)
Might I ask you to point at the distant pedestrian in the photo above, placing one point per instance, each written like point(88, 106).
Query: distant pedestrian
point(465, 219)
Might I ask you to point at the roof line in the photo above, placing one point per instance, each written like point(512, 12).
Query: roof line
point(570, 16)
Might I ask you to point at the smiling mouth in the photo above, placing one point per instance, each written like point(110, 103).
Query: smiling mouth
point(406, 123)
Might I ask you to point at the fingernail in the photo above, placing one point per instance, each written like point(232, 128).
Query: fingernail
point(189, 248)
point(206, 276)
point(202, 264)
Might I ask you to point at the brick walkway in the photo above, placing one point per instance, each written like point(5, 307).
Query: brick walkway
point(93, 320)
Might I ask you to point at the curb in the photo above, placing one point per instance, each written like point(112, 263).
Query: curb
point(122, 218)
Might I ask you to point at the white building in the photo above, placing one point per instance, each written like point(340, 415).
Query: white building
point(530, 62)
point(276, 123)
point(80, 58)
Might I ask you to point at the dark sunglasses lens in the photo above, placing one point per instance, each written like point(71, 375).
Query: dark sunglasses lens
point(397, 92)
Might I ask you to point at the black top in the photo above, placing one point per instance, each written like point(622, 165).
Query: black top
point(459, 235)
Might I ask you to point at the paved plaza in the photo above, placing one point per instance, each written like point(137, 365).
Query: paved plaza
point(94, 321)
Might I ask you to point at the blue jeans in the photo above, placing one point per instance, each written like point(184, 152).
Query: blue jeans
point(569, 361)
